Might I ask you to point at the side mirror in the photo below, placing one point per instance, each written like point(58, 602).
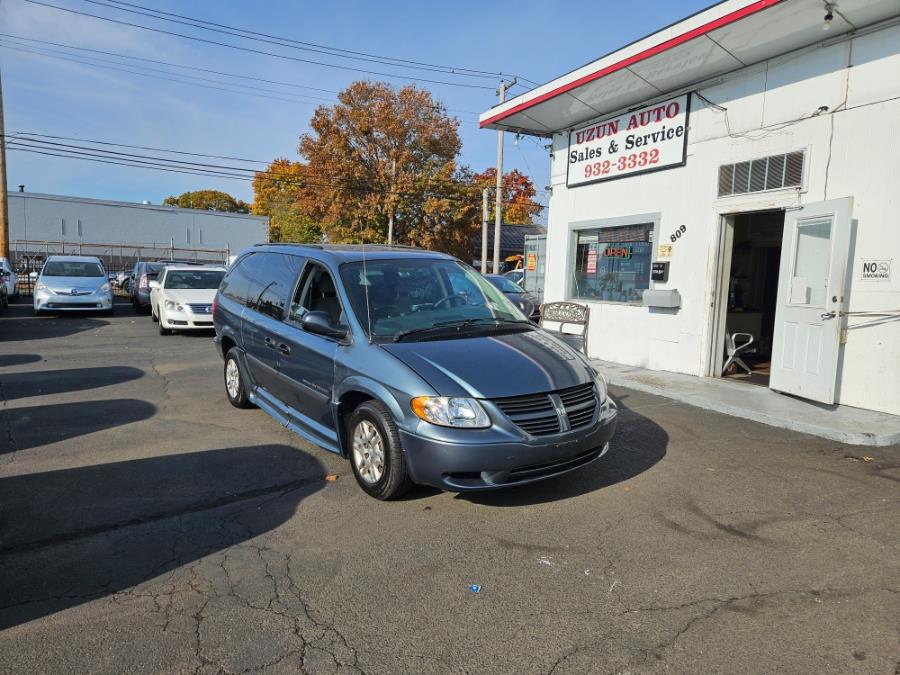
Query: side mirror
point(153, 284)
point(318, 323)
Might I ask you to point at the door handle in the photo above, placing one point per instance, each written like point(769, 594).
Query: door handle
point(829, 315)
point(284, 349)
point(270, 343)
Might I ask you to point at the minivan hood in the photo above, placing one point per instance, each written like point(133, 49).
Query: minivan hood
point(494, 366)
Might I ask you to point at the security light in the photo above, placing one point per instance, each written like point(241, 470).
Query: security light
point(829, 15)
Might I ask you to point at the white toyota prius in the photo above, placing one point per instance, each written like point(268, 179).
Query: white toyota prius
point(181, 298)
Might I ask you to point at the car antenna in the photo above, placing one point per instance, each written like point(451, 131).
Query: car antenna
point(366, 284)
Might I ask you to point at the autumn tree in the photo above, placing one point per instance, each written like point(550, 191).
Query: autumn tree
point(519, 207)
point(210, 200)
point(278, 194)
point(382, 152)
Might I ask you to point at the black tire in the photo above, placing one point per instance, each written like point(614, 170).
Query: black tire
point(153, 316)
point(394, 480)
point(239, 398)
point(163, 331)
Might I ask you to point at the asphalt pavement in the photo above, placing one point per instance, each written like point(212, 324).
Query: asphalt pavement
point(148, 526)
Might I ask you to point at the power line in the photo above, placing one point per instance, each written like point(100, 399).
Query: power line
point(254, 51)
point(26, 139)
point(167, 63)
point(75, 59)
point(289, 42)
point(211, 170)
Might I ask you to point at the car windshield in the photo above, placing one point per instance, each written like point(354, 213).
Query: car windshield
point(418, 293)
point(69, 268)
point(505, 284)
point(194, 279)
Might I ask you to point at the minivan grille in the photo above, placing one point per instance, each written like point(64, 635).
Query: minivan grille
point(535, 413)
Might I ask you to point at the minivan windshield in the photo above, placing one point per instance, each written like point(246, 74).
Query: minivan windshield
point(69, 268)
point(194, 279)
point(392, 298)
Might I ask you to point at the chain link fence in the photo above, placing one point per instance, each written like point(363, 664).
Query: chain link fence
point(27, 258)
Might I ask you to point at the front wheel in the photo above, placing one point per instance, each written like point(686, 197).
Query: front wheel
point(375, 453)
point(235, 388)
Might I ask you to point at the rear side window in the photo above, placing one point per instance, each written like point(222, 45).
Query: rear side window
point(263, 281)
point(236, 285)
point(275, 287)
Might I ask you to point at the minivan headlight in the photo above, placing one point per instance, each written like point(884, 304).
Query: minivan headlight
point(104, 288)
point(447, 411)
point(602, 388)
point(174, 306)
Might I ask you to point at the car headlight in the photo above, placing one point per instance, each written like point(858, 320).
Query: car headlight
point(174, 306)
point(40, 287)
point(104, 288)
point(449, 411)
point(602, 387)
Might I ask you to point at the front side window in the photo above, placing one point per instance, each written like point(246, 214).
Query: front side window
point(193, 279)
point(317, 293)
point(612, 264)
point(390, 297)
point(60, 268)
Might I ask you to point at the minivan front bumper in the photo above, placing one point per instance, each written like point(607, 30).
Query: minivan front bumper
point(464, 467)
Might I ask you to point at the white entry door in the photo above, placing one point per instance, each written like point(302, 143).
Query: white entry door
point(807, 338)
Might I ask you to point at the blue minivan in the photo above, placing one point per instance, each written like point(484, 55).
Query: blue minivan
point(409, 364)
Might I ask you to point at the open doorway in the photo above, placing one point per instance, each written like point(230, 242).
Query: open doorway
point(750, 268)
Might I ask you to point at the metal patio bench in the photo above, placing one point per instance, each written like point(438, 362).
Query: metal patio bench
point(567, 313)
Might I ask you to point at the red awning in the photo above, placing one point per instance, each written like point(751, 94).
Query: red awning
point(717, 40)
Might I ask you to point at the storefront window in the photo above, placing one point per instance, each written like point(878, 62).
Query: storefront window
point(613, 263)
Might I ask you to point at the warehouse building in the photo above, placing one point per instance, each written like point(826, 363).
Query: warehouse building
point(734, 177)
point(41, 223)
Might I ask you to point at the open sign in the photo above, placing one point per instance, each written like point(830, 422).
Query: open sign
point(617, 252)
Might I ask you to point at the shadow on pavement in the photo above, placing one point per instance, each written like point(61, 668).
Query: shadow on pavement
point(638, 445)
point(43, 382)
point(37, 425)
point(21, 324)
point(7, 360)
point(74, 535)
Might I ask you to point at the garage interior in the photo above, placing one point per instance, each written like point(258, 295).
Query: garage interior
point(752, 293)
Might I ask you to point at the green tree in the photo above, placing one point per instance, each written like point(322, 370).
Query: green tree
point(210, 200)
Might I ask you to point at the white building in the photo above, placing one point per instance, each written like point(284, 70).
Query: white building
point(39, 218)
point(741, 166)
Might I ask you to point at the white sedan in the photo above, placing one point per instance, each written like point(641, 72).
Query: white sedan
point(181, 297)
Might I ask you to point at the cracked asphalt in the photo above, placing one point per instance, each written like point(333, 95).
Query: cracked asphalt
point(147, 526)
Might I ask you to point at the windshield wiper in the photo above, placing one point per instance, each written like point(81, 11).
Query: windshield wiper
point(459, 323)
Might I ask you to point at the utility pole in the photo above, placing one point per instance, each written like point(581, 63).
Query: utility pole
point(4, 205)
point(391, 198)
point(485, 214)
point(498, 198)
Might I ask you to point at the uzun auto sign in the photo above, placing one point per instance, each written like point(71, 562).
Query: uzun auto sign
point(648, 139)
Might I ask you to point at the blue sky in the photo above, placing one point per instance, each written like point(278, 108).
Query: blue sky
point(538, 40)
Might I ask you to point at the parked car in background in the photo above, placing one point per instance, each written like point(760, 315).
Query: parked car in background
point(143, 274)
point(521, 298)
point(374, 354)
point(181, 297)
point(72, 283)
point(4, 291)
point(12, 290)
point(516, 276)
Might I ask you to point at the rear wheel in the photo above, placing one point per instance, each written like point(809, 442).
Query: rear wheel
point(234, 381)
point(375, 453)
